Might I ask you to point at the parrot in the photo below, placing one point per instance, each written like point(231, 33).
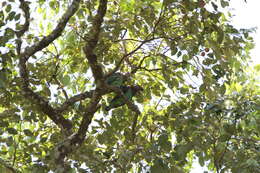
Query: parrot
point(128, 91)
point(117, 79)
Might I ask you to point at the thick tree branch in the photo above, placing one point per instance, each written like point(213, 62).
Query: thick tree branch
point(29, 51)
point(78, 138)
point(93, 40)
point(75, 140)
point(91, 109)
point(97, 72)
point(40, 101)
point(26, 10)
point(46, 108)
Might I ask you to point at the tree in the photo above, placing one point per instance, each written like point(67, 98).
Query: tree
point(185, 54)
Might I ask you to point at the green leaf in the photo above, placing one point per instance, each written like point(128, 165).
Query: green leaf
point(224, 3)
point(220, 36)
point(47, 91)
point(8, 8)
point(201, 161)
point(252, 162)
point(17, 17)
point(66, 80)
point(3, 79)
point(179, 54)
point(159, 166)
point(174, 50)
point(43, 139)
point(12, 131)
point(27, 132)
point(4, 123)
point(11, 15)
point(164, 142)
point(257, 67)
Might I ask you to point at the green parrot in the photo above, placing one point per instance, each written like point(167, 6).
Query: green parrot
point(117, 79)
point(128, 91)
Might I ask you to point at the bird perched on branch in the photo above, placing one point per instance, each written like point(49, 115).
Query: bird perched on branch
point(117, 79)
point(128, 91)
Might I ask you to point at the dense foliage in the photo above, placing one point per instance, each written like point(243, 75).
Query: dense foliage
point(200, 100)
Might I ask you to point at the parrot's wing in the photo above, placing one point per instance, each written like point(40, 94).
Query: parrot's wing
point(116, 102)
point(124, 89)
point(129, 94)
point(115, 79)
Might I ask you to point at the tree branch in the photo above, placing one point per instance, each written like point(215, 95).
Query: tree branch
point(46, 108)
point(74, 99)
point(29, 51)
point(26, 10)
point(97, 72)
point(139, 65)
point(93, 40)
point(91, 109)
point(150, 70)
point(78, 138)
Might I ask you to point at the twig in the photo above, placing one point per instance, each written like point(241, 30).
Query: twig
point(139, 65)
point(26, 10)
point(159, 19)
point(60, 86)
point(150, 70)
point(128, 54)
point(78, 138)
point(77, 33)
point(128, 39)
point(134, 126)
point(158, 103)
